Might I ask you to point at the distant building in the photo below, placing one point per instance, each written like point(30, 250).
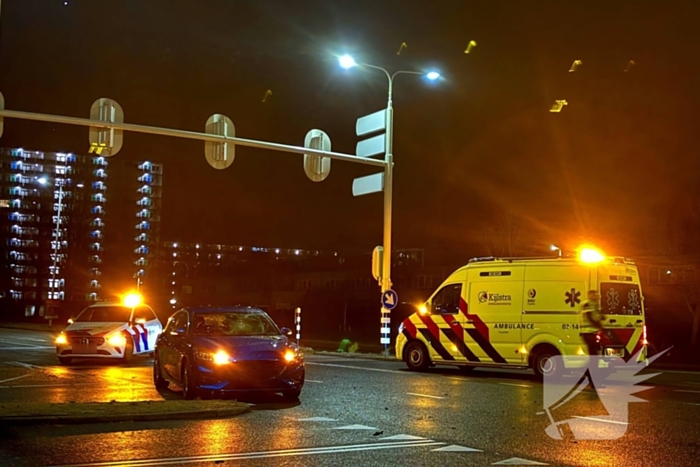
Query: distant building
point(54, 210)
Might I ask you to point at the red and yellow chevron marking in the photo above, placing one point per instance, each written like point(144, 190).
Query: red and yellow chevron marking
point(631, 338)
point(456, 329)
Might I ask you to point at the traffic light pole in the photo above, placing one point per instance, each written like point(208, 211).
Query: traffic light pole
point(186, 134)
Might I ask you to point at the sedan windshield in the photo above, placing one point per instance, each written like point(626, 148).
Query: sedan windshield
point(234, 324)
point(104, 314)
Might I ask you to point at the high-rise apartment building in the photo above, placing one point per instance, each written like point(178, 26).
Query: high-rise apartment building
point(74, 228)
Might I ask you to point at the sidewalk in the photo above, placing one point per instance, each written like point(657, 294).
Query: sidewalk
point(106, 412)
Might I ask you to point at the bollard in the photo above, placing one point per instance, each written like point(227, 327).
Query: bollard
point(297, 321)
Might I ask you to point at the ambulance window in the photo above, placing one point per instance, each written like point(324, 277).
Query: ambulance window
point(446, 301)
point(620, 299)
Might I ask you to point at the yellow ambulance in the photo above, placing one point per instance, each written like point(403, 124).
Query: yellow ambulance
point(520, 312)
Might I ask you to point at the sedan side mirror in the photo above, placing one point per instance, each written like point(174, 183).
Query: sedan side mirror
point(286, 331)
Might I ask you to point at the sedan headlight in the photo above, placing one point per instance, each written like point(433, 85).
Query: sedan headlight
point(220, 357)
point(291, 355)
point(116, 339)
point(61, 339)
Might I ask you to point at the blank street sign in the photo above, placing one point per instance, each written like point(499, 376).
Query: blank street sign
point(371, 147)
point(370, 184)
point(371, 123)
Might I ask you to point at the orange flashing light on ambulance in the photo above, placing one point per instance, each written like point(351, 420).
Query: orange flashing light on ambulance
point(520, 312)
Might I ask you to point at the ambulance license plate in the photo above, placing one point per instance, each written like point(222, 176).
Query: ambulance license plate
point(613, 352)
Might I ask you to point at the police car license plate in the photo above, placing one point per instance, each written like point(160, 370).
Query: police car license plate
point(81, 348)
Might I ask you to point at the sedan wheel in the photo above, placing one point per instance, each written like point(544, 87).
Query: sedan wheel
point(188, 388)
point(158, 380)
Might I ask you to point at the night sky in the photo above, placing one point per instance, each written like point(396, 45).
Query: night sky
point(474, 153)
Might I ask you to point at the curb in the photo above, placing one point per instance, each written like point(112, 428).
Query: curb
point(149, 417)
point(365, 356)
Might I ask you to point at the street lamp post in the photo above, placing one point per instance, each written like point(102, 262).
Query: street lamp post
point(346, 61)
point(57, 234)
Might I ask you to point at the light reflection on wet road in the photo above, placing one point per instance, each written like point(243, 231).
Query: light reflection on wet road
point(492, 416)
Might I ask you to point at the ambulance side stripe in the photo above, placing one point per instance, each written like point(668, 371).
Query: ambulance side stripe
point(409, 329)
point(480, 326)
point(480, 333)
point(485, 345)
point(461, 346)
point(430, 324)
point(436, 344)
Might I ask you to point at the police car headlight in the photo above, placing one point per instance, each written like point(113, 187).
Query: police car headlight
point(61, 339)
point(116, 339)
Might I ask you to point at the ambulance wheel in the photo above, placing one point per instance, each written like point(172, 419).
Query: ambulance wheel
point(65, 360)
point(543, 362)
point(416, 356)
point(128, 350)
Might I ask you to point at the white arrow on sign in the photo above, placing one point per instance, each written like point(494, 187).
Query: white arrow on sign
point(389, 299)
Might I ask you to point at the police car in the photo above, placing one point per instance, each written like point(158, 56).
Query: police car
point(117, 330)
point(521, 312)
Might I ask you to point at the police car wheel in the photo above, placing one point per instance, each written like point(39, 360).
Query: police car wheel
point(158, 380)
point(128, 350)
point(544, 364)
point(416, 356)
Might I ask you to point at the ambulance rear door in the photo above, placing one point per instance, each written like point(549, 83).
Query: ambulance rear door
point(622, 303)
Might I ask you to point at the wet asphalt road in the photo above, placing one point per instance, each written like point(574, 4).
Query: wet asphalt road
point(352, 412)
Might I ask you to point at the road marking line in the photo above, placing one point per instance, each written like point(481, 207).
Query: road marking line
point(686, 390)
point(23, 344)
point(355, 427)
point(614, 422)
point(456, 378)
point(456, 448)
point(424, 395)
point(22, 338)
point(361, 368)
point(264, 454)
point(539, 413)
point(12, 379)
point(317, 419)
point(34, 347)
point(44, 385)
point(25, 365)
point(312, 381)
point(518, 385)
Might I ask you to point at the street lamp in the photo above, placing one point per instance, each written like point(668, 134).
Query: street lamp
point(44, 181)
point(347, 62)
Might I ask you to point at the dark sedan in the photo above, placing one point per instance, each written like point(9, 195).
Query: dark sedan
point(232, 349)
